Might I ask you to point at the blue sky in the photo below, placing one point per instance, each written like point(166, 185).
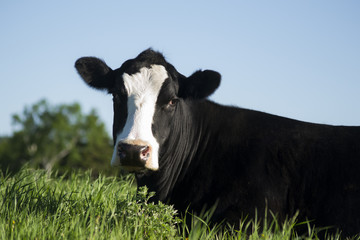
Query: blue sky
point(299, 59)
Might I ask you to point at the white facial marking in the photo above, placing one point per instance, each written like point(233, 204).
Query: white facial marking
point(143, 89)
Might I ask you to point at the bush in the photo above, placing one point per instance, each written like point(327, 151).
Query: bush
point(58, 137)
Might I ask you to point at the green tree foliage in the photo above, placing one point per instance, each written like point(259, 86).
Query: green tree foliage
point(57, 137)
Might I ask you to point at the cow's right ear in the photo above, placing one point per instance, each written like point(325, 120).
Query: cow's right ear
point(95, 72)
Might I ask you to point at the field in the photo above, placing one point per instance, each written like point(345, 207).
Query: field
point(35, 204)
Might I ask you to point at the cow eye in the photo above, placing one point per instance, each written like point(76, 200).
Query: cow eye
point(173, 102)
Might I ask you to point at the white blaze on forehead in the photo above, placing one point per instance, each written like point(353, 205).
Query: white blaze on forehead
point(143, 89)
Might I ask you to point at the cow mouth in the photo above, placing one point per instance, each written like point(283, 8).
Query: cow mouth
point(134, 169)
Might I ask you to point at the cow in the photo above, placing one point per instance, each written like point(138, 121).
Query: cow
point(193, 152)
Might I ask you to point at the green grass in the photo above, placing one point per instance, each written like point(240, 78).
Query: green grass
point(38, 205)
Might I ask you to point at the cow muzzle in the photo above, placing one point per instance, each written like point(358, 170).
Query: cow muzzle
point(134, 155)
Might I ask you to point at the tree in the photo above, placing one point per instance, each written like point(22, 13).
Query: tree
point(57, 137)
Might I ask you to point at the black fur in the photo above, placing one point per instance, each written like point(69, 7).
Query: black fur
point(95, 72)
point(242, 159)
point(200, 84)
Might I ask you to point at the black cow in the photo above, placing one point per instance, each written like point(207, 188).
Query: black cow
point(192, 151)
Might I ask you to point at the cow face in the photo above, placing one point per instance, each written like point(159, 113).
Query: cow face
point(147, 92)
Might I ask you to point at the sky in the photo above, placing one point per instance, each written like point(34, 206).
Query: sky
point(298, 59)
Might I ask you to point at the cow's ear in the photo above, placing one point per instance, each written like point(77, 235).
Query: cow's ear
point(95, 72)
point(200, 84)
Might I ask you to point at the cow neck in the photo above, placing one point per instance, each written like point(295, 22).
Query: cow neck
point(196, 135)
point(179, 152)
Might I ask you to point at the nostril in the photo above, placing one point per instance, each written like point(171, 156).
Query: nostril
point(145, 153)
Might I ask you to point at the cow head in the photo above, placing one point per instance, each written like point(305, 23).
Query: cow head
point(147, 92)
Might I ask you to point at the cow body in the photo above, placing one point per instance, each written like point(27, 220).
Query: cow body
point(193, 152)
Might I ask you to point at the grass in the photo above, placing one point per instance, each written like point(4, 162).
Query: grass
point(38, 205)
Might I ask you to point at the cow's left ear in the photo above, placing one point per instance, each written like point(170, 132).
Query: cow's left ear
point(200, 84)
